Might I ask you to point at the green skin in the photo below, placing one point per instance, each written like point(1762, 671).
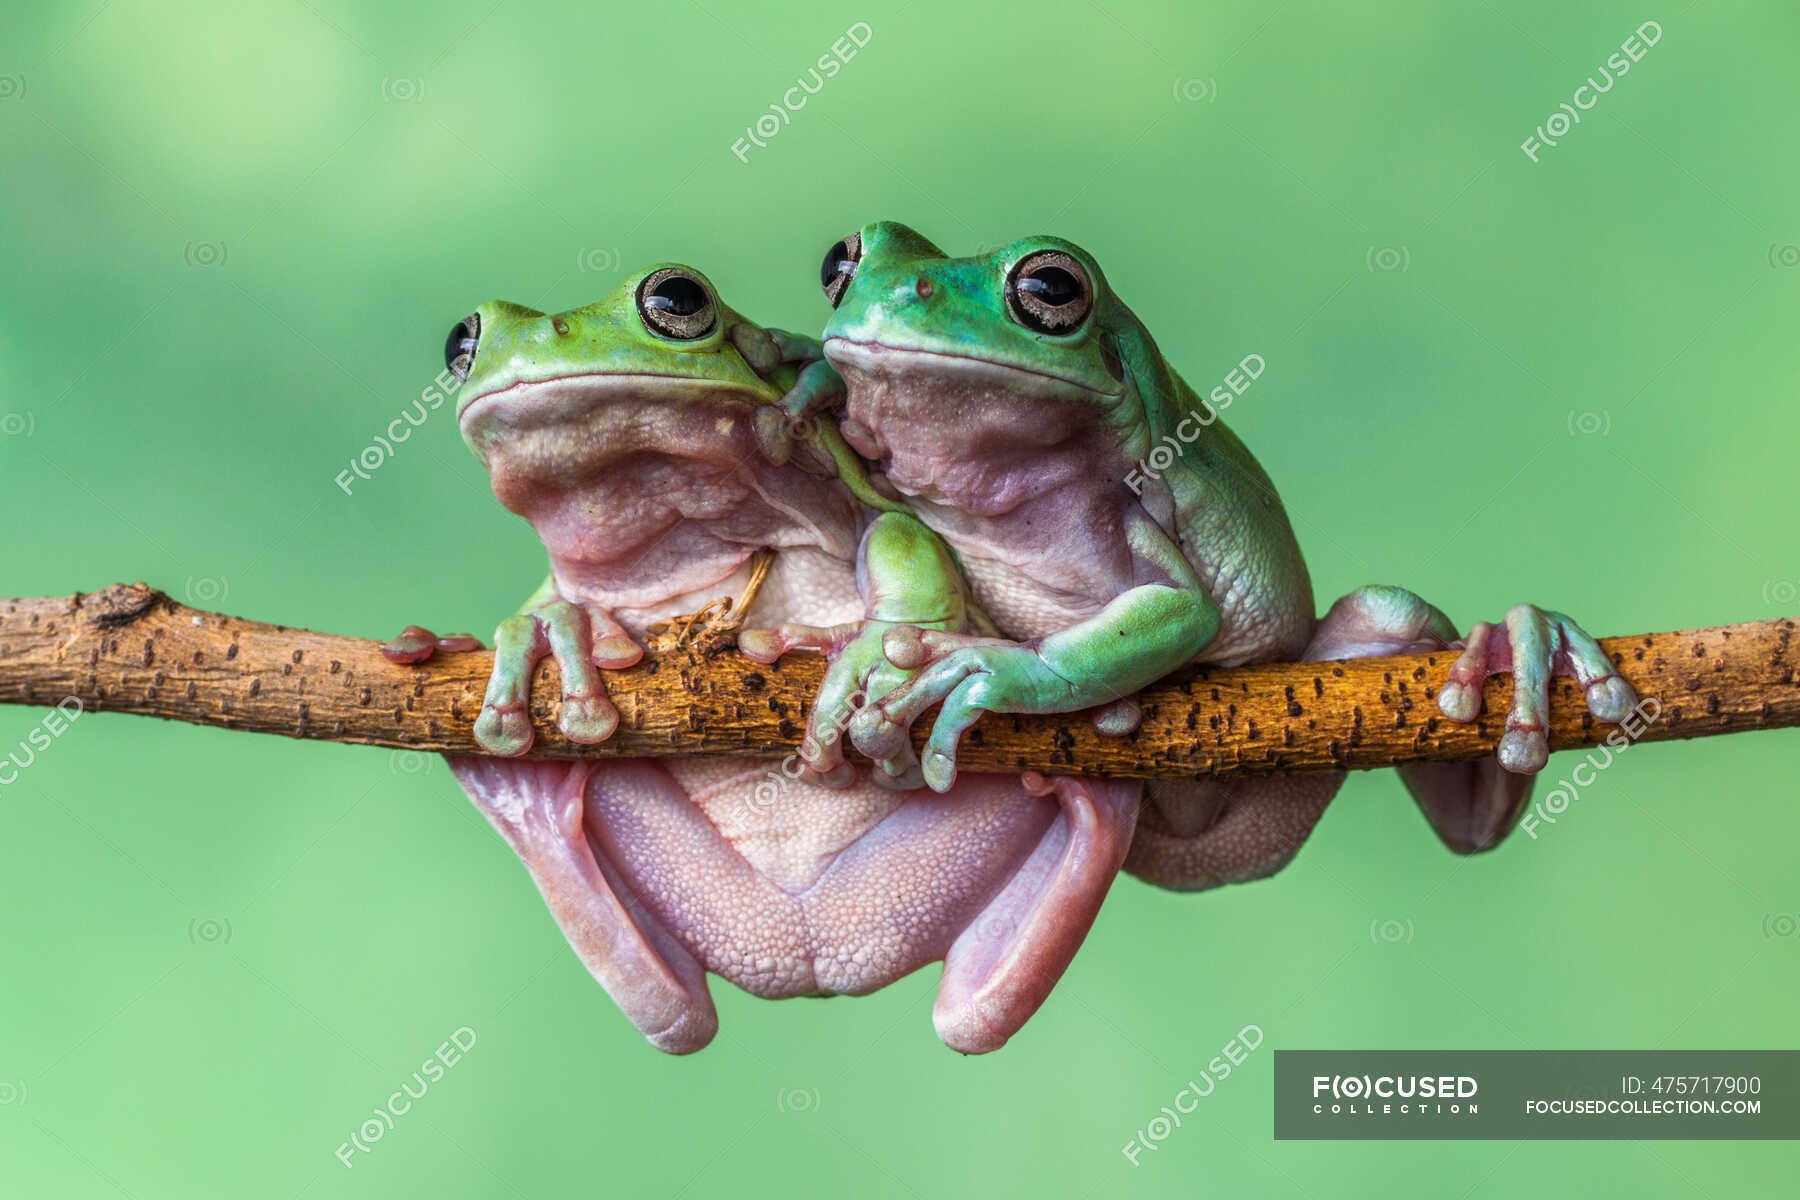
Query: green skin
point(630, 434)
point(908, 577)
point(1002, 435)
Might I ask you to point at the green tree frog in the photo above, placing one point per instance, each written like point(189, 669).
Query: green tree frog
point(1011, 399)
point(632, 435)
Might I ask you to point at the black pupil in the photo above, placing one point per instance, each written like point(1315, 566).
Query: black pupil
point(461, 342)
point(837, 263)
point(1051, 285)
point(678, 295)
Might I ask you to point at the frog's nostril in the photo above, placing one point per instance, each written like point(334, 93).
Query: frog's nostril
point(459, 349)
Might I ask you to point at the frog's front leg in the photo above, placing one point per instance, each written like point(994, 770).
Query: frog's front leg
point(909, 580)
point(815, 387)
point(583, 639)
point(1137, 638)
point(1534, 646)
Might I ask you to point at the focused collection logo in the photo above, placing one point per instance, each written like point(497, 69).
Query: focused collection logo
point(1395, 1095)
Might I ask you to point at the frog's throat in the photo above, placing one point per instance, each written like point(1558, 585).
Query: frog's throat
point(523, 392)
point(879, 356)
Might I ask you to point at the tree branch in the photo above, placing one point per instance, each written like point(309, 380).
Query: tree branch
point(131, 649)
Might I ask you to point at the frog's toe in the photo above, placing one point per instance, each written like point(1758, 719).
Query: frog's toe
point(768, 645)
point(939, 771)
point(876, 734)
point(1611, 698)
point(1460, 697)
point(504, 731)
point(758, 346)
point(899, 774)
point(616, 651)
point(1119, 718)
point(1459, 701)
point(904, 646)
point(773, 434)
point(1524, 751)
point(413, 645)
point(761, 645)
point(587, 719)
point(838, 776)
point(910, 647)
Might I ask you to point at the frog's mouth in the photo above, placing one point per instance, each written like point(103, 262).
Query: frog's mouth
point(525, 404)
point(852, 357)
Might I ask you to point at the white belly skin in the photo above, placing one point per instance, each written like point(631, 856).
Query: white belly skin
point(817, 891)
point(662, 871)
point(788, 889)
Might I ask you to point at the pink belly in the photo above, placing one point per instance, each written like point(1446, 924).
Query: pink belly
point(787, 889)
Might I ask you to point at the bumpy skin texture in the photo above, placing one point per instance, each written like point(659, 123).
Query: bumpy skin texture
point(1011, 399)
point(643, 462)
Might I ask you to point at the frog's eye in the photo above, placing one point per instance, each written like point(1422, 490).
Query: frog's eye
point(1049, 292)
point(675, 305)
point(839, 266)
point(459, 350)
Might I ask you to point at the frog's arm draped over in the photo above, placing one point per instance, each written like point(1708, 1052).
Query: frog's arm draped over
point(1011, 399)
point(633, 435)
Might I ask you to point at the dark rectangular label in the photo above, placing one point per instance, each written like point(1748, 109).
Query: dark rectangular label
point(1601, 1095)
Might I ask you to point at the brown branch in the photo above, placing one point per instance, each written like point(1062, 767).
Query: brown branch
point(131, 649)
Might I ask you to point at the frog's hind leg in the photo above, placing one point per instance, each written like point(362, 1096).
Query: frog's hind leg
point(538, 807)
point(1470, 805)
point(1198, 834)
point(1002, 967)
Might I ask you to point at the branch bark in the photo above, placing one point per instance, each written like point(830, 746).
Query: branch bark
point(129, 648)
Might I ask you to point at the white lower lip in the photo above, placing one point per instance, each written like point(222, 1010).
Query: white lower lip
point(600, 384)
point(871, 354)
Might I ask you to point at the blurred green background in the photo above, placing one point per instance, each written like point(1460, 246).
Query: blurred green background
point(235, 237)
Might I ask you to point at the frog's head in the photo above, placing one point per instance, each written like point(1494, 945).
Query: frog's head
point(634, 370)
point(1016, 348)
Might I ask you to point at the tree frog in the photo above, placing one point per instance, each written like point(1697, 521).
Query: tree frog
point(1011, 399)
point(631, 435)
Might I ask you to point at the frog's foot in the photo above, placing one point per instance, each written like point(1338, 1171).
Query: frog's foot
point(968, 675)
point(538, 807)
point(1000, 969)
point(910, 648)
point(859, 671)
point(817, 389)
point(1196, 834)
point(1534, 646)
point(1472, 805)
point(583, 640)
point(415, 645)
point(817, 386)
